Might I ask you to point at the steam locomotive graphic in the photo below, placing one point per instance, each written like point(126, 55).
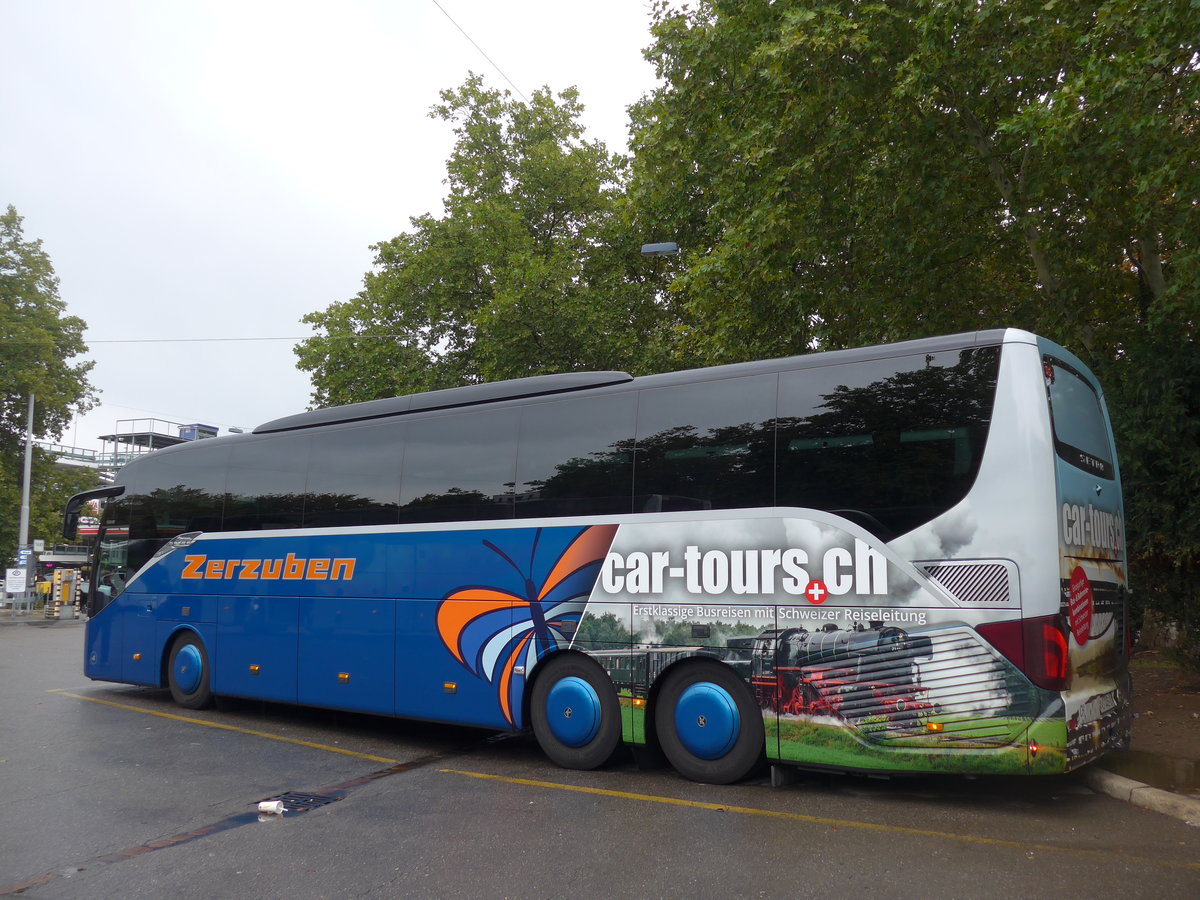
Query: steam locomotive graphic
point(867, 674)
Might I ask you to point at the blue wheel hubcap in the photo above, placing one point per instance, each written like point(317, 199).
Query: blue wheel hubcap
point(573, 711)
point(189, 668)
point(707, 720)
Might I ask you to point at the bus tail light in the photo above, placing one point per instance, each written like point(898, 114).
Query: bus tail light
point(1038, 647)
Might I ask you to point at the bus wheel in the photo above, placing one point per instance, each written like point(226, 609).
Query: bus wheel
point(708, 724)
point(575, 713)
point(188, 673)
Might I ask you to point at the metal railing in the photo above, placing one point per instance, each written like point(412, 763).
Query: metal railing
point(19, 604)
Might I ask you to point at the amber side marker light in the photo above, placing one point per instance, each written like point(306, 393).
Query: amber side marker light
point(639, 701)
point(934, 726)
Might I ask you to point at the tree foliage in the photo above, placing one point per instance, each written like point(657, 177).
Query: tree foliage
point(838, 172)
point(39, 340)
point(844, 172)
point(529, 271)
point(53, 485)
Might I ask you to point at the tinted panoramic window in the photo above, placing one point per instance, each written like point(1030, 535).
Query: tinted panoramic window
point(459, 467)
point(265, 487)
point(167, 493)
point(354, 476)
point(1080, 435)
point(177, 491)
point(576, 457)
point(705, 446)
point(888, 443)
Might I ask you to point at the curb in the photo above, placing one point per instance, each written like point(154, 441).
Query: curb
point(1154, 799)
point(36, 621)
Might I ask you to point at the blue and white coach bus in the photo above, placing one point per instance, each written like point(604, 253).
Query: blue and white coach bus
point(904, 558)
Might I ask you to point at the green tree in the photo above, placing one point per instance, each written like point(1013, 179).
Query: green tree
point(39, 342)
point(53, 485)
point(530, 270)
point(842, 172)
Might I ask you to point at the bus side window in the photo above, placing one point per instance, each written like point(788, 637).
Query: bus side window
point(575, 457)
point(354, 475)
point(183, 491)
point(706, 446)
point(265, 485)
point(459, 467)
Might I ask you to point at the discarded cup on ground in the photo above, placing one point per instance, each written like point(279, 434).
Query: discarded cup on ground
point(272, 807)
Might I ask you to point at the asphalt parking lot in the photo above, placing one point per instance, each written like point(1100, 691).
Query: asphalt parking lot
point(112, 791)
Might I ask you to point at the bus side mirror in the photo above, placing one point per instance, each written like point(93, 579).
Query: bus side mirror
point(70, 524)
point(76, 504)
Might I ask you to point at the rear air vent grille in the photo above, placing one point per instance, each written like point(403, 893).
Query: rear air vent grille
point(990, 583)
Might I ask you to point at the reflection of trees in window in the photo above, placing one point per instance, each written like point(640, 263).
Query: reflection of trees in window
point(895, 452)
point(166, 512)
point(596, 484)
point(602, 474)
point(890, 450)
point(678, 468)
point(262, 512)
point(726, 467)
point(153, 519)
point(330, 510)
point(573, 457)
point(456, 505)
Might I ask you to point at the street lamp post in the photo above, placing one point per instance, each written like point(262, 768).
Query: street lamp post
point(23, 533)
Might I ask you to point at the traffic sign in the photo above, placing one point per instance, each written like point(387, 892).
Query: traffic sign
point(14, 581)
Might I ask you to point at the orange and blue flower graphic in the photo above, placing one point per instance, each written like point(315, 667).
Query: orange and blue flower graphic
point(499, 634)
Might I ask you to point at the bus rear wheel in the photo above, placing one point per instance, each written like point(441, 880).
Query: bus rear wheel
point(188, 673)
point(708, 724)
point(575, 713)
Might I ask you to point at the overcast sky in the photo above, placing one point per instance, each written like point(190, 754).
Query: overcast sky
point(219, 169)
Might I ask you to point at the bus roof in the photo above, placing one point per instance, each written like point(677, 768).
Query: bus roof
point(541, 385)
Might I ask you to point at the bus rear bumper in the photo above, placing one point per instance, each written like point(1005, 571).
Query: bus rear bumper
point(1102, 723)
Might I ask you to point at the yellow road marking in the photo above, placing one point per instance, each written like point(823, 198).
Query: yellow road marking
point(223, 727)
point(822, 820)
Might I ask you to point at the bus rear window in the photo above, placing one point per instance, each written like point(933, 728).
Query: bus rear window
point(1080, 435)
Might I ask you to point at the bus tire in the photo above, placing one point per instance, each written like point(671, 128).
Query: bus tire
point(575, 713)
point(708, 724)
point(188, 672)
